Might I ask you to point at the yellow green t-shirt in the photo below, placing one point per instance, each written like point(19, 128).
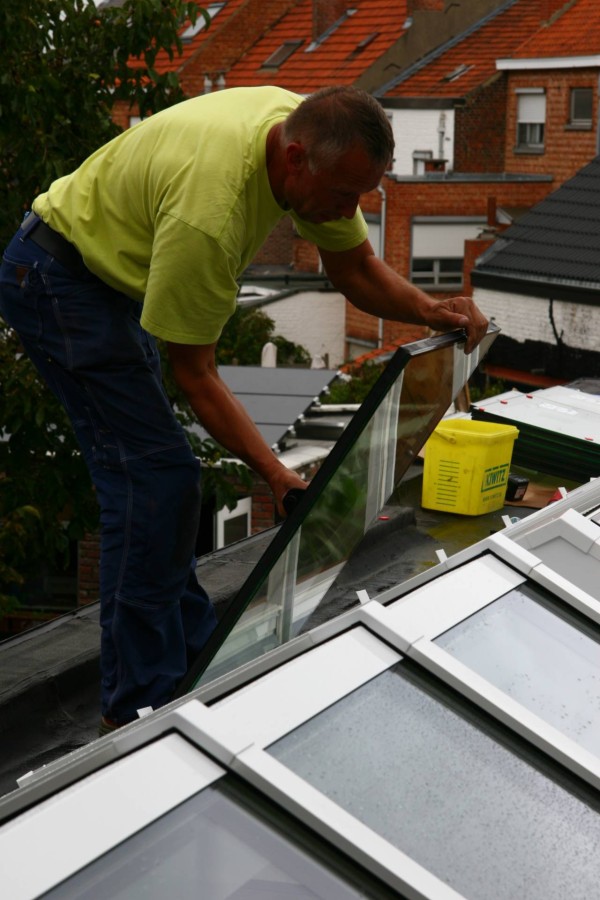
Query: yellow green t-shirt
point(172, 210)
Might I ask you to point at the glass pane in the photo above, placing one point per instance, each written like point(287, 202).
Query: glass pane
point(286, 592)
point(216, 846)
point(412, 762)
point(544, 660)
point(582, 104)
point(451, 265)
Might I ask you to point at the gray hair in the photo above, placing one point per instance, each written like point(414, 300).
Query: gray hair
point(333, 120)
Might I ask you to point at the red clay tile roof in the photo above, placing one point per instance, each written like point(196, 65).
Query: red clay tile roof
point(499, 36)
point(354, 46)
point(576, 32)
point(164, 64)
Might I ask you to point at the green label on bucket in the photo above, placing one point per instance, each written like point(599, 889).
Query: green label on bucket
point(495, 477)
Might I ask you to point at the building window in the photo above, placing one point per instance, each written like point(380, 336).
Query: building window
point(581, 107)
point(531, 119)
point(438, 249)
point(437, 274)
point(233, 525)
point(279, 56)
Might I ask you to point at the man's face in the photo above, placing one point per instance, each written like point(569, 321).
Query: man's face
point(330, 193)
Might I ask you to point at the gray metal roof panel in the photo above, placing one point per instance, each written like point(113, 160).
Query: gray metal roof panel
point(275, 398)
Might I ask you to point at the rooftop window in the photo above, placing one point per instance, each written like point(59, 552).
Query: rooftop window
point(280, 55)
point(329, 31)
point(362, 45)
point(456, 73)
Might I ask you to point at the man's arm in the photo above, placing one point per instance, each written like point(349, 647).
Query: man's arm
point(372, 286)
point(224, 417)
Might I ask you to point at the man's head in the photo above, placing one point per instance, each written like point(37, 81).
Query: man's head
point(337, 119)
point(336, 145)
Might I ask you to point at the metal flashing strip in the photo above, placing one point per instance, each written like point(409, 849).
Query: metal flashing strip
point(439, 605)
point(283, 699)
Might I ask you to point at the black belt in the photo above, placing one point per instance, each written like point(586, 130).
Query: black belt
point(54, 243)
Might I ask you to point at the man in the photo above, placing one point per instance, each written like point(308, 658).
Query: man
point(148, 238)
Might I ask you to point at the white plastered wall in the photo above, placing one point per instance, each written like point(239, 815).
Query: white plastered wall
point(524, 318)
point(314, 319)
point(417, 129)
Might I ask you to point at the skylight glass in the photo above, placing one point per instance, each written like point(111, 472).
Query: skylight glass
point(453, 790)
point(290, 590)
point(280, 55)
point(225, 843)
point(540, 654)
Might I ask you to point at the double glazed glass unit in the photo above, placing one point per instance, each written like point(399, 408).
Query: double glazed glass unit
point(290, 590)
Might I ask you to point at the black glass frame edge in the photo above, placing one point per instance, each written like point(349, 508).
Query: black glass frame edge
point(310, 496)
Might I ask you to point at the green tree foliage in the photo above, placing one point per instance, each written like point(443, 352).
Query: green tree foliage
point(63, 65)
point(354, 387)
point(246, 333)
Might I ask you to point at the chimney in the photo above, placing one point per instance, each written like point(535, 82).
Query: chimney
point(325, 13)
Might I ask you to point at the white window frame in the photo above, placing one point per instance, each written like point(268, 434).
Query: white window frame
point(531, 119)
point(437, 239)
point(242, 508)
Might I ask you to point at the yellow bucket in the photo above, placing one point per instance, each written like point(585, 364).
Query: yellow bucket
point(467, 464)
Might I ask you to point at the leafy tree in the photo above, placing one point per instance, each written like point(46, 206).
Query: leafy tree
point(63, 65)
point(354, 387)
point(246, 333)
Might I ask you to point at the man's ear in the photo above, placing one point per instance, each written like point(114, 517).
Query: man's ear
point(295, 156)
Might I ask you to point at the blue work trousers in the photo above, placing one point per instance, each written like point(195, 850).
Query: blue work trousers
point(86, 341)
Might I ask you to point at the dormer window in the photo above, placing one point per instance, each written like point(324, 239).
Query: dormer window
point(362, 45)
point(329, 31)
point(280, 55)
point(456, 73)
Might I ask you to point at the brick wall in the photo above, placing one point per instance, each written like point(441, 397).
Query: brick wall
point(477, 148)
point(88, 561)
point(566, 151)
point(278, 249)
point(473, 250)
point(305, 256)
